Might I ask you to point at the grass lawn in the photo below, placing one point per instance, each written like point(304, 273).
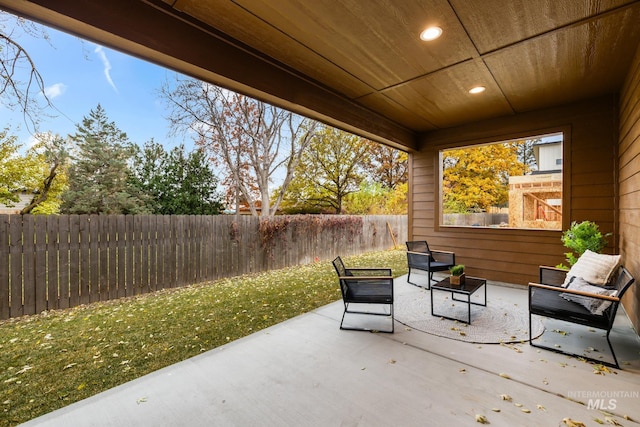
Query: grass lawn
point(53, 359)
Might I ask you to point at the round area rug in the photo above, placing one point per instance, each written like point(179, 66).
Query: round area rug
point(498, 322)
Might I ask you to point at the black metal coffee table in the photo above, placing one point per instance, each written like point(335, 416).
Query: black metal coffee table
point(468, 288)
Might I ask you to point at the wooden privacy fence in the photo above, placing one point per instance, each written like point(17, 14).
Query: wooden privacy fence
point(61, 261)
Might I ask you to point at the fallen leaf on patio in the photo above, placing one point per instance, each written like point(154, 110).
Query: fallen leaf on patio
point(503, 375)
point(598, 420)
point(541, 408)
point(495, 409)
point(464, 334)
point(627, 417)
point(572, 423)
point(141, 400)
point(612, 421)
point(526, 411)
point(519, 405)
point(505, 397)
point(363, 368)
point(558, 331)
point(601, 370)
point(482, 419)
point(557, 345)
point(392, 361)
point(545, 382)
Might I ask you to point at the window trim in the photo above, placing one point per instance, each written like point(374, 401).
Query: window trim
point(566, 176)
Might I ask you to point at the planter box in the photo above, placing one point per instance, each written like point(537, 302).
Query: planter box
point(457, 280)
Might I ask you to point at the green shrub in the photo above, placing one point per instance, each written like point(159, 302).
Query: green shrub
point(582, 236)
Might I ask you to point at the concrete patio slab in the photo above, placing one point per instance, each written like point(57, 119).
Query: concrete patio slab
point(307, 372)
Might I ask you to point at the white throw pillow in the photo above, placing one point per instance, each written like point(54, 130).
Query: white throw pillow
point(595, 268)
point(594, 305)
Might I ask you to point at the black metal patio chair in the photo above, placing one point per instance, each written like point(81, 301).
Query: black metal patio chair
point(365, 286)
point(420, 257)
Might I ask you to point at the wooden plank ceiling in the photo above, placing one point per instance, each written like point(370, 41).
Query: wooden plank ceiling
point(360, 64)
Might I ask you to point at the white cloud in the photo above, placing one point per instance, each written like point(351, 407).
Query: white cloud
point(55, 90)
point(99, 50)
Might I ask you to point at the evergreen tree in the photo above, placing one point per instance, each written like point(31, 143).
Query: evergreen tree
point(99, 176)
point(177, 183)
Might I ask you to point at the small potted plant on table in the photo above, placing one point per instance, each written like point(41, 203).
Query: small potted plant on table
point(457, 274)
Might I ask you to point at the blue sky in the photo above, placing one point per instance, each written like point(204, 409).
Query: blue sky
point(80, 74)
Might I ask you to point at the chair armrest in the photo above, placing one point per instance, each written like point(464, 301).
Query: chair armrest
point(358, 278)
point(444, 256)
point(418, 253)
point(359, 272)
point(443, 252)
point(572, 291)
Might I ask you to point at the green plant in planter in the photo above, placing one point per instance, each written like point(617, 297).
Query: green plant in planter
point(457, 270)
point(580, 237)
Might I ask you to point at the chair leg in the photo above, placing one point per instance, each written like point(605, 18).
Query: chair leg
point(390, 315)
point(558, 350)
point(416, 284)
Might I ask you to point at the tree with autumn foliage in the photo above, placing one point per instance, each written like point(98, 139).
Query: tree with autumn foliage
point(250, 141)
point(328, 172)
point(476, 178)
point(40, 172)
point(386, 166)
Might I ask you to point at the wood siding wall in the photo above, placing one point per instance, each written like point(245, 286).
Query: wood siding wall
point(589, 177)
point(629, 184)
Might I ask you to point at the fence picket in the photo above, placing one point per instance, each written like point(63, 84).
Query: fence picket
point(63, 260)
point(75, 285)
point(40, 266)
point(4, 267)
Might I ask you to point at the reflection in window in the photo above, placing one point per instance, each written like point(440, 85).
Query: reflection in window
point(514, 184)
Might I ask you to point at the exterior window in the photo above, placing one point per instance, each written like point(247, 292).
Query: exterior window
point(507, 184)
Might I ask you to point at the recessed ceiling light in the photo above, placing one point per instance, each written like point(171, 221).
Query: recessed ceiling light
point(431, 33)
point(477, 89)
